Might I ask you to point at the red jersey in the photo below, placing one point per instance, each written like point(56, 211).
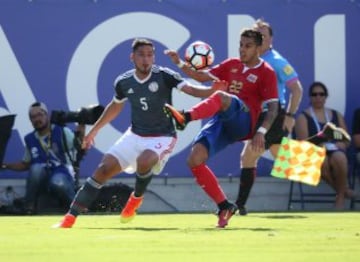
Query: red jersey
point(253, 86)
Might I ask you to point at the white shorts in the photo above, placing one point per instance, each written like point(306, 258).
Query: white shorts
point(129, 146)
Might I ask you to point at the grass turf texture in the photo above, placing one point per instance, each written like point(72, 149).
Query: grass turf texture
point(184, 237)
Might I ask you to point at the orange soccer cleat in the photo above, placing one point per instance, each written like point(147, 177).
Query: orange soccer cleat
point(129, 211)
point(178, 116)
point(67, 222)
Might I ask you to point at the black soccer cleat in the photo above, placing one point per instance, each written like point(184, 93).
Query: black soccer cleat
point(179, 117)
point(332, 132)
point(242, 210)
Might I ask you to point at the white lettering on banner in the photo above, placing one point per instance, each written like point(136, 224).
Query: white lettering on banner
point(81, 84)
point(14, 88)
point(330, 58)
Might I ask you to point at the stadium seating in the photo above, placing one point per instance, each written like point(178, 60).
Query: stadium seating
point(307, 195)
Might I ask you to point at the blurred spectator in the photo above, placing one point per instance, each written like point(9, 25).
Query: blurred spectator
point(356, 133)
point(49, 151)
point(335, 167)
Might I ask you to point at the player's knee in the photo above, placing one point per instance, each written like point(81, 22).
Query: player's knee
point(146, 161)
point(144, 167)
point(225, 99)
point(104, 172)
point(194, 161)
point(249, 159)
point(198, 155)
point(251, 153)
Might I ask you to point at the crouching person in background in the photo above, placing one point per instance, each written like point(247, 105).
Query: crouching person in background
point(48, 152)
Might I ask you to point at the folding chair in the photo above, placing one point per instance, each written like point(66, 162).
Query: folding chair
point(307, 197)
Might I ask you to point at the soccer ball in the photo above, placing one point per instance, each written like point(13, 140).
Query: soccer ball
point(199, 55)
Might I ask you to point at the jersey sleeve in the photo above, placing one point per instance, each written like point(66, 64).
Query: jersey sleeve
point(219, 71)
point(285, 71)
point(119, 94)
point(172, 78)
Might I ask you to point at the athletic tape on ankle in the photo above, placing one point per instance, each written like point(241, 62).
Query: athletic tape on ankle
point(145, 175)
point(93, 183)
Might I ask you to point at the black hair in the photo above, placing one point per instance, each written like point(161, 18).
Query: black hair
point(251, 33)
point(141, 42)
point(35, 104)
point(317, 83)
point(39, 104)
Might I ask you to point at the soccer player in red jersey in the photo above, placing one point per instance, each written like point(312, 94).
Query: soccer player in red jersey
point(234, 112)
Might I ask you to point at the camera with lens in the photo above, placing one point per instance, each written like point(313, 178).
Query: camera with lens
point(85, 115)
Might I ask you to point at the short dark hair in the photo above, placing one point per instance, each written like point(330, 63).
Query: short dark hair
point(41, 105)
point(251, 33)
point(318, 83)
point(141, 42)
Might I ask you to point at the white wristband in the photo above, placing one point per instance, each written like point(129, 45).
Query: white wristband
point(180, 64)
point(262, 130)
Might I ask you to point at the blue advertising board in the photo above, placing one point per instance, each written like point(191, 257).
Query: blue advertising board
point(67, 53)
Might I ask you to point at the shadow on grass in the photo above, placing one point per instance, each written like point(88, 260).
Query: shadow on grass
point(153, 229)
point(230, 228)
point(284, 217)
point(135, 228)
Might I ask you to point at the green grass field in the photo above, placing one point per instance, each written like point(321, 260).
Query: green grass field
point(184, 237)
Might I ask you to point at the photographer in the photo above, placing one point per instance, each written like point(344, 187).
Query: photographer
point(49, 153)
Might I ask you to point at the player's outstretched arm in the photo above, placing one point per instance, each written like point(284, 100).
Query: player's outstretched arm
point(109, 113)
point(204, 91)
point(198, 75)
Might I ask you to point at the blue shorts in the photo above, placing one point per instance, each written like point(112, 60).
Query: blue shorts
point(225, 127)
